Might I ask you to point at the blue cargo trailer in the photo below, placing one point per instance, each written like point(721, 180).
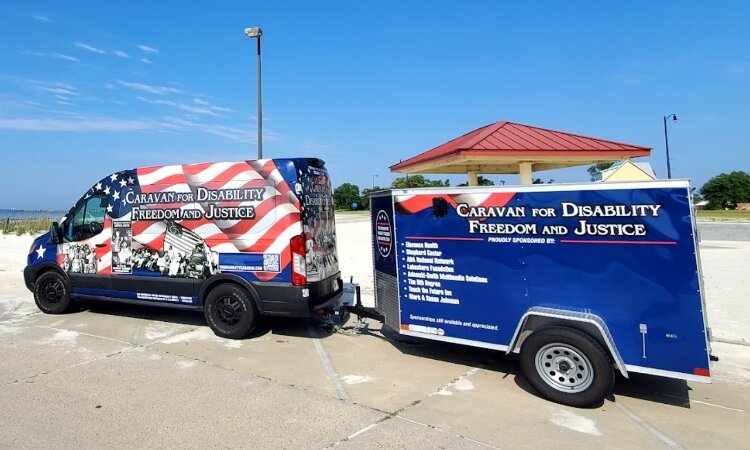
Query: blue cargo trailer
point(579, 279)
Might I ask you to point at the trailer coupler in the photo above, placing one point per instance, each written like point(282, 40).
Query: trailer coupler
point(353, 303)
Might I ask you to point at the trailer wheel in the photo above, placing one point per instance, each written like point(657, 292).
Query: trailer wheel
point(230, 311)
point(567, 366)
point(51, 293)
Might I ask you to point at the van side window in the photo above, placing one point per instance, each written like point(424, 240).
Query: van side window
point(87, 220)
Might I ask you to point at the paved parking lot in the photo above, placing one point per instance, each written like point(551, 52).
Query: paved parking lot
point(124, 377)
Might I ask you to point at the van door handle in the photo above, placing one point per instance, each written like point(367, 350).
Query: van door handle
point(101, 245)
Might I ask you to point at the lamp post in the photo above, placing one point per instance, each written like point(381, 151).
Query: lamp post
point(373, 181)
point(666, 142)
point(256, 32)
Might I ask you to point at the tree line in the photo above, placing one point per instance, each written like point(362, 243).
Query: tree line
point(348, 196)
point(723, 191)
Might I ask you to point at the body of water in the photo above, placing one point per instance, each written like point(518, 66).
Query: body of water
point(31, 213)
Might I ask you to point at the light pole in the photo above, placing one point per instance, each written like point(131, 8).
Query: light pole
point(256, 32)
point(666, 142)
point(373, 181)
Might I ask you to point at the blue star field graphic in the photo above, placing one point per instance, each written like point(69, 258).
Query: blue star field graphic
point(115, 186)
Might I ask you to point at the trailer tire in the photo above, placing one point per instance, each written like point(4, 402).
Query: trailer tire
point(567, 366)
point(51, 293)
point(230, 311)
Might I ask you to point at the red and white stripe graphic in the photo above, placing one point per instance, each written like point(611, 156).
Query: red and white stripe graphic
point(277, 215)
point(410, 204)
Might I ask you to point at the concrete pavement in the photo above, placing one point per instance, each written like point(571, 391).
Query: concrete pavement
point(124, 377)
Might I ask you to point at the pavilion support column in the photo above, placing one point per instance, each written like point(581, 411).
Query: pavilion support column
point(524, 170)
point(473, 178)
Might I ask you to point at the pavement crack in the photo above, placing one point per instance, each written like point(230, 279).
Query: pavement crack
point(730, 341)
point(396, 414)
point(60, 369)
point(669, 442)
point(136, 332)
point(7, 313)
point(460, 436)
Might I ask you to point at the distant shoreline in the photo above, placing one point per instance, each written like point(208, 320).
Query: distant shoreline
point(31, 210)
point(30, 213)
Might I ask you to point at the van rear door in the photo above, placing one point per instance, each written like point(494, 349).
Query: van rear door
point(318, 222)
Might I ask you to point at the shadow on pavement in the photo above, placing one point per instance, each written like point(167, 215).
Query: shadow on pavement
point(645, 387)
point(147, 312)
point(651, 388)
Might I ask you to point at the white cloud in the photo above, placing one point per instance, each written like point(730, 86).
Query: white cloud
point(65, 57)
point(90, 48)
point(75, 124)
point(42, 18)
point(120, 53)
point(145, 61)
point(180, 106)
point(233, 133)
point(147, 49)
point(159, 90)
point(200, 101)
point(53, 87)
point(51, 55)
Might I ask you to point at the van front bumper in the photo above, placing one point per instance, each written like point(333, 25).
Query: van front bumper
point(29, 275)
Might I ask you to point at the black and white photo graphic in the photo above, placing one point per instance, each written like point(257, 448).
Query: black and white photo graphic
point(122, 253)
point(79, 258)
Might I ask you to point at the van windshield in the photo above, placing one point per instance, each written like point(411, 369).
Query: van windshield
point(319, 225)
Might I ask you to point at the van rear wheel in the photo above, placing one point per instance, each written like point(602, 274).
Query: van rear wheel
point(230, 311)
point(51, 293)
point(567, 366)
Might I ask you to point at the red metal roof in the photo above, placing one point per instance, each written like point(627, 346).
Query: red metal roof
point(514, 139)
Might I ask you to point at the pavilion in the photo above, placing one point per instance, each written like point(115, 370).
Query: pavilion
point(513, 148)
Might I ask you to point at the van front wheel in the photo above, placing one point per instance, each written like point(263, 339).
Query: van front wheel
point(51, 293)
point(230, 312)
point(567, 366)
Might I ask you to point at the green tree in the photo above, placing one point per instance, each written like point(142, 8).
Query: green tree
point(366, 195)
point(726, 190)
point(481, 181)
point(345, 195)
point(540, 181)
point(596, 168)
point(411, 181)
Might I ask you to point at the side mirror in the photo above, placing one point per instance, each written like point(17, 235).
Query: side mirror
point(55, 233)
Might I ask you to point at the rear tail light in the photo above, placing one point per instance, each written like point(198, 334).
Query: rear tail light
point(299, 268)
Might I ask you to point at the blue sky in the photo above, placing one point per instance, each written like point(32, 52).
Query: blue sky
point(88, 88)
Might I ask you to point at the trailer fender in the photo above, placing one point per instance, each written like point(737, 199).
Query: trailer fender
point(539, 317)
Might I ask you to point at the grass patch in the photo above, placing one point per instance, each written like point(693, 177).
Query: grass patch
point(23, 226)
point(719, 215)
point(359, 212)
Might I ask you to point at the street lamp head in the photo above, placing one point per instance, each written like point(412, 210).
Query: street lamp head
point(674, 117)
point(252, 32)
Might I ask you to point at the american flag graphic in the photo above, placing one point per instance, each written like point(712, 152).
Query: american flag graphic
point(113, 187)
point(277, 215)
point(410, 204)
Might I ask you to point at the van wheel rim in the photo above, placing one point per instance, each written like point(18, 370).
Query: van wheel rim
point(229, 311)
point(565, 368)
point(53, 291)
